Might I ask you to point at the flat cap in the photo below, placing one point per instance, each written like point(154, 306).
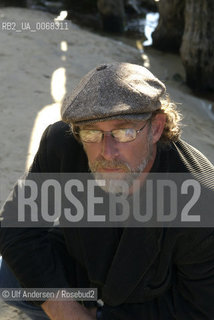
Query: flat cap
point(113, 91)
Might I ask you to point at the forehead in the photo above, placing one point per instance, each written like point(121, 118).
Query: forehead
point(112, 124)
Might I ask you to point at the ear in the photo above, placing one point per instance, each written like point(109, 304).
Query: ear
point(158, 124)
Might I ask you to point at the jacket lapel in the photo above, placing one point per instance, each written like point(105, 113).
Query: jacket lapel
point(98, 246)
point(136, 252)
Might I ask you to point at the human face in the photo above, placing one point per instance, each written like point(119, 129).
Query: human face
point(126, 161)
point(111, 156)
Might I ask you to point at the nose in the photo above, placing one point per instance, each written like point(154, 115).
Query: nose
point(109, 147)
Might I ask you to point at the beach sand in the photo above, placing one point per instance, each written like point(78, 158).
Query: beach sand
point(38, 68)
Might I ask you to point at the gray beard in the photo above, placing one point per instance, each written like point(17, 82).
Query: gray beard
point(119, 183)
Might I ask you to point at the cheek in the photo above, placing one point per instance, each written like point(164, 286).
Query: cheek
point(92, 151)
point(136, 152)
point(137, 156)
point(132, 154)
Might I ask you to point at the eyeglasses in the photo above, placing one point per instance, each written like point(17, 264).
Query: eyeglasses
point(120, 135)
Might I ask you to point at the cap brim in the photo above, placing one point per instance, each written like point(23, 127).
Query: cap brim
point(128, 117)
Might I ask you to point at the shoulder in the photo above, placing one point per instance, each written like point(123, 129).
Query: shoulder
point(192, 157)
point(57, 132)
point(181, 157)
point(59, 151)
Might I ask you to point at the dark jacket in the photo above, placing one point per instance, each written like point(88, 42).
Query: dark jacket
point(140, 273)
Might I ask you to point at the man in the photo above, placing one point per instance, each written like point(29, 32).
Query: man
point(123, 124)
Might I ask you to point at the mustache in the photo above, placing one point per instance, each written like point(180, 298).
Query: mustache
point(113, 164)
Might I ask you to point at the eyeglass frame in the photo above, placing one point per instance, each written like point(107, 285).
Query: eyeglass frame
point(110, 132)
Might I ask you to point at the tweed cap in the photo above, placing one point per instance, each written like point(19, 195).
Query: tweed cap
point(113, 91)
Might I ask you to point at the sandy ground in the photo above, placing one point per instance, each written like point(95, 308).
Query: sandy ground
point(38, 68)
